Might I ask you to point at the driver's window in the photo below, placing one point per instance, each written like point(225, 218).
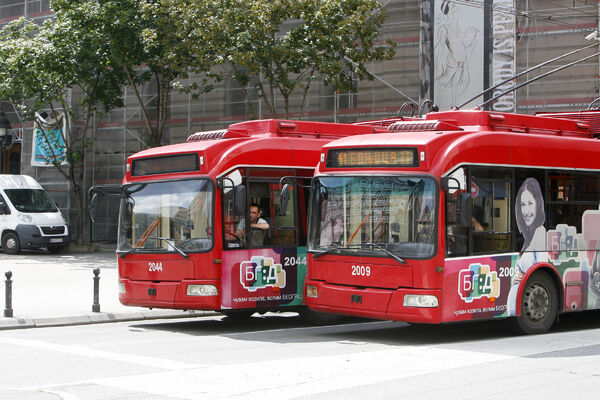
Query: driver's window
point(231, 216)
point(458, 208)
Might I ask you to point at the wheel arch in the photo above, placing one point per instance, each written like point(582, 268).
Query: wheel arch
point(553, 273)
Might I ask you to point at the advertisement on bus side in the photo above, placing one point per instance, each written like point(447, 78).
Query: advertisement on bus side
point(263, 278)
point(487, 287)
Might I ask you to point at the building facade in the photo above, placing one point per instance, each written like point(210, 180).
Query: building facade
point(447, 51)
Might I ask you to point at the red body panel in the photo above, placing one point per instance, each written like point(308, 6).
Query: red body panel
point(160, 280)
point(464, 137)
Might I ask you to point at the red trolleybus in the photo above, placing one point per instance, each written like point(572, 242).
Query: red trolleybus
point(464, 215)
point(201, 224)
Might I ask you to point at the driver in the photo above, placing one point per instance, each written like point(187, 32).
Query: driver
point(258, 228)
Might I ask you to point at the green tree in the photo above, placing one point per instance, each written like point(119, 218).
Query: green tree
point(42, 67)
point(282, 46)
point(160, 41)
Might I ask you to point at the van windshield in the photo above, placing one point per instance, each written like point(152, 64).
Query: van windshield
point(31, 200)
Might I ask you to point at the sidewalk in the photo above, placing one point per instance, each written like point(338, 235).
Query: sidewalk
point(58, 290)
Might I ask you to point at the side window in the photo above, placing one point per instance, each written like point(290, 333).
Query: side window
point(233, 198)
point(458, 214)
point(253, 216)
point(283, 231)
point(4, 209)
point(572, 199)
point(490, 229)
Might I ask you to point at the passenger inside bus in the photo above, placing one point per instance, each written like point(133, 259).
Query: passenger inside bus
point(258, 228)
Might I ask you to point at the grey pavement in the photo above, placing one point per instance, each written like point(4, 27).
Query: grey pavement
point(58, 290)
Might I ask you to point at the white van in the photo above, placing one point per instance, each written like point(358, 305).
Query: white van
point(29, 218)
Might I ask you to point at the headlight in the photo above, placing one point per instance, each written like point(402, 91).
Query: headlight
point(25, 218)
point(420, 300)
point(122, 288)
point(202, 290)
point(311, 291)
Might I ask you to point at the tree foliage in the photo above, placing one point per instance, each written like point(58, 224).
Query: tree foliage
point(43, 66)
point(282, 46)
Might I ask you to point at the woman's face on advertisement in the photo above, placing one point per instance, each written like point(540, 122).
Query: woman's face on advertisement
point(528, 207)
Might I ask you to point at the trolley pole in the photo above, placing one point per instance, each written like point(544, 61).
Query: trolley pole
point(8, 311)
point(96, 305)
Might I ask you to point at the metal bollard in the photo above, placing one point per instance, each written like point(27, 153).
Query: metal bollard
point(8, 311)
point(96, 305)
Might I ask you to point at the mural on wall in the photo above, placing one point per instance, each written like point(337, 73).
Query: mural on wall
point(458, 53)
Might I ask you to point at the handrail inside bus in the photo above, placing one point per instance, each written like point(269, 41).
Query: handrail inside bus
point(147, 233)
point(358, 228)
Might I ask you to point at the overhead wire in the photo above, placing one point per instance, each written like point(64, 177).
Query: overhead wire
point(512, 11)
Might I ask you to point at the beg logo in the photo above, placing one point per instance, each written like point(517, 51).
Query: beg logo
point(478, 281)
point(261, 272)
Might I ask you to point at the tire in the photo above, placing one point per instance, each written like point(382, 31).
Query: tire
point(55, 249)
point(539, 305)
point(11, 243)
point(238, 315)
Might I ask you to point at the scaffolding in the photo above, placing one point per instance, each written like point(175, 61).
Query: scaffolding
point(543, 30)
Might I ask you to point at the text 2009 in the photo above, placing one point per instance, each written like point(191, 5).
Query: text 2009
point(361, 270)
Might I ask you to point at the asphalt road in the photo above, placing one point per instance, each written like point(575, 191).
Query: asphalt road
point(281, 357)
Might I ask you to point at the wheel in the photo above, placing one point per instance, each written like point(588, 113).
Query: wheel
point(10, 243)
point(539, 305)
point(238, 315)
point(55, 249)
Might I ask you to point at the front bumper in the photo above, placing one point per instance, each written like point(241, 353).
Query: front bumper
point(385, 304)
point(168, 294)
point(33, 236)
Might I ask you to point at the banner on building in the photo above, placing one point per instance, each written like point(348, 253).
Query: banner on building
point(503, 53)
point(48, 146)
point(458, 52)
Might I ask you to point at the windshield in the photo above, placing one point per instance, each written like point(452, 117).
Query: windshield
point(167, 216)
point(379, 214)
point(31, 200)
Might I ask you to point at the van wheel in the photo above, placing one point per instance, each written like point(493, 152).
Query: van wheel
point(10, 243)
point(539, 305)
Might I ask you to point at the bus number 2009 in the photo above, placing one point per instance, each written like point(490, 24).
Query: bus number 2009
point(361, 270)
point(507, 271)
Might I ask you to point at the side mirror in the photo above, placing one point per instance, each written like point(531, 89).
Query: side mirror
point(4, 210)
point(284, 197)
point(239, 200)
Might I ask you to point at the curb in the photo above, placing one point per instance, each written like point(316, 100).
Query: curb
point(99, 318)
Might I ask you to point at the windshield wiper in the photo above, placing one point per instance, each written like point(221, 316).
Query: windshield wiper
point(386, 251)
point(360, 246)
point(169, 241)
point(127, 252)
point(328, 251)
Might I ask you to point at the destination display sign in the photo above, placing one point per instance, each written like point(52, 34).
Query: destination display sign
point(165, 164)
point(372, 157)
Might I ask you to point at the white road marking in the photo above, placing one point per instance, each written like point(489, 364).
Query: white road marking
point(289, 378)
point(84, 351)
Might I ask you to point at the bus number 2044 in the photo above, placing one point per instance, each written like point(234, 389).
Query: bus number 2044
point(291, 261)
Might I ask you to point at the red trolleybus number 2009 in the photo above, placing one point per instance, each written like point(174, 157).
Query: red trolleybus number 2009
point(361, 270)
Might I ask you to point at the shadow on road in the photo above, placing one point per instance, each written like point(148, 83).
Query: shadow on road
point(268, 328)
